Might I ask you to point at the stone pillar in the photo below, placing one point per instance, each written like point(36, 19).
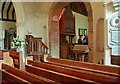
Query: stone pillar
point(22, 57)
point(90, 40)
point(90, 36)
point(21, 33)
point(54, 38)
point(21, 30)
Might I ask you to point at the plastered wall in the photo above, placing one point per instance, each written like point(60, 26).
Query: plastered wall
point(5, 25)
point(98, 12)
point(81, 22)
point(35, 19)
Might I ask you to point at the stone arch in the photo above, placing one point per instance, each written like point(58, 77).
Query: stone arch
point(20, 26)
point(55, 10)
point(19, 17)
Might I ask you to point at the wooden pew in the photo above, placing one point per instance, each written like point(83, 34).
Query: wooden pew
point(97, 77)
point(1, 53)
point(16, 58)
point(14, 55)
point(108, 70)
point(9, 78)
point(11, 74)
point(55, 76)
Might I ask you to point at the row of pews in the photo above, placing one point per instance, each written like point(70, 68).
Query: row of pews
point(55, 70)
point(11, 75)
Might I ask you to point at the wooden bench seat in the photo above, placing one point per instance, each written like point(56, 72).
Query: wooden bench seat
point(11, 78)
point(85, 69)
point(55, 76)
point(21, 76)
point(97, 77)
point(110, 70)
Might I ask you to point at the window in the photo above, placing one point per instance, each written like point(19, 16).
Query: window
point(80, 32)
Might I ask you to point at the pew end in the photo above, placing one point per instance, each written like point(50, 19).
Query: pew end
point(28, 58)
point(7, 59)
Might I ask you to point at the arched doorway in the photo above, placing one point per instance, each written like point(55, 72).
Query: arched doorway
point(13, 19)
point(8, 20)
point(53, 24)
point(20, 23)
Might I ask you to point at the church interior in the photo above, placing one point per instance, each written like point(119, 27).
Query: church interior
point(59, 41)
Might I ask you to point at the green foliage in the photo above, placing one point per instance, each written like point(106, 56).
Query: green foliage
point(17, 43)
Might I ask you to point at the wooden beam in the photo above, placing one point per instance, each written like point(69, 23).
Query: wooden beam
point(3, 19)
point(3, 6)
point(8, 9)
point(13, 13)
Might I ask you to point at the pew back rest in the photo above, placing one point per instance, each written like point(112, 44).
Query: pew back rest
point(24, 75)
point(55, 76)
point(16, 58)
point(1, 53)
point(98, 77)
point(68, 63)
point(7, 59)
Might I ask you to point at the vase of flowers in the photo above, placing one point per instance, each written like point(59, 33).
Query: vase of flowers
point(17, 43)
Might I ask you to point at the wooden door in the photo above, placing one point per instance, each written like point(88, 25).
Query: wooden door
point(64, 51)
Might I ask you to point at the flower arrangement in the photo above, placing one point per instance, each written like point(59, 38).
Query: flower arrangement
point(17, 43)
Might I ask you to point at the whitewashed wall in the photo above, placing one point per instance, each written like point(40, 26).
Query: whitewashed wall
point(81, 22)
point(35, 19)
point(98, 12)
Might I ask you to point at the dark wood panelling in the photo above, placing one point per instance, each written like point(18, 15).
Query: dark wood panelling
point(8, 9)
point(13, 13)
point(79, 7)
point(7, 20)
point(3, 6)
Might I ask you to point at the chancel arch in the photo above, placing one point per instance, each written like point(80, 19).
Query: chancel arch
point(19, 18)
point(55, 10)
